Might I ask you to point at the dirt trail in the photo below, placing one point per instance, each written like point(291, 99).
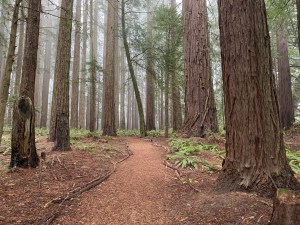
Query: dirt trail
point(137, 193)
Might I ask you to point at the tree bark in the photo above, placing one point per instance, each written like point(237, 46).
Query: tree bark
point(82, 102)
point(46, 82)
point(117, 66)
point(108, 103)
point(76, 67)
point(150, 109)
point(286, 208)
point(5, 83)
point(200, 110)
point(122, 91)
point(286, 106)
point(93, 53)
point(23, 130)
point(255, 154)
point(132, 75)
point(62, 70)
point(20, 53)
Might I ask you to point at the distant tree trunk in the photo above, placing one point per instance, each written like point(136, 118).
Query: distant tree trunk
point(132, 75)
point(20, 53)
point(175, 91)
point(62, 70)
point(82, 109)
point(46, 82)
point(166, 93)
point(122, 90)
point(161, 121)
point(76, 67)
point(298, 21)
point(200, 110)
point(23, 130)
point(108, 103)
point(93, 53)
point(255, 155)
point(37, 90)
point(117, 66)
point(129, 107)
point(286, 106)
point(150, 109)
point(5, 83)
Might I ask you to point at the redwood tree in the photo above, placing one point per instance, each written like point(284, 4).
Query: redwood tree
point(200, 110)
point(23, 129)
point(62, 69)
point(108, 103)
point(255, 155)
point(286, 106)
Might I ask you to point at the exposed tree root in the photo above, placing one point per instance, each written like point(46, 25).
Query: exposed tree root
point(78, 191)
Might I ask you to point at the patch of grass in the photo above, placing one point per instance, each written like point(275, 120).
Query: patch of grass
point(294, 160)
point(77, 134)
point(7, 129)
point(128, 133)
point(41, 131)
point(85, 147)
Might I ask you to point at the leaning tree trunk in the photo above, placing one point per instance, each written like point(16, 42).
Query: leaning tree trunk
point(23, 129)
point(200, 110)
point(150, 109)
point(62, 70)
point(285, 98)
point(255, 155)
point(5, 83)
point(132, 75)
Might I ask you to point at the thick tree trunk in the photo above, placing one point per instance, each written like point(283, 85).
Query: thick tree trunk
point(286, 106)
point(82, 109)
point(5, 83)
point(62, 70)
point(23, 130)
point(117, 67)
point(76, 67)
point(132, 75)
point(200, 111)
point(255, 155)
point(286, 208)
point(108, 107)
point(150, 109)
point(298, 21)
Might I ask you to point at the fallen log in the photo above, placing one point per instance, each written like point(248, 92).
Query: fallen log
point(286, 207)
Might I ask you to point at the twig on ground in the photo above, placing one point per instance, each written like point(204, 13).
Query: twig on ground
point(77, 191)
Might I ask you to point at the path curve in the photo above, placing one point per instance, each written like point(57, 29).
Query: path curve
point(137, 193)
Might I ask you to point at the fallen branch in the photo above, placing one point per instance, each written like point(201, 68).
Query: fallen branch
point(76, 192)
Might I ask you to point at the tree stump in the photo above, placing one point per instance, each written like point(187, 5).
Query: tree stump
point(286, 207)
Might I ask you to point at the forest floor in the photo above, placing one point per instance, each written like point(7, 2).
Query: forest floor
point(137, 186)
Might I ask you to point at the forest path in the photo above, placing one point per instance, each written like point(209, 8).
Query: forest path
point(139, 192)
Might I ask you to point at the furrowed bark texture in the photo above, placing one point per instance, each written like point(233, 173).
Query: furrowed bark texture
point(286, 106)
point(23, 129)
point(200, 110)
point(255, 155)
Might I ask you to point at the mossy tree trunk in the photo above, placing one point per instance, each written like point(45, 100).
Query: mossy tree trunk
point(255, 154)
point(23, 130)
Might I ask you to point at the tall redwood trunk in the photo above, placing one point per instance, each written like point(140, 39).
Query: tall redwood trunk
point(23, 130)
point(255, 155)
point(109, 127)
point(76, 68)
point(200, 110)
point(285, 98)
point(62, 70)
